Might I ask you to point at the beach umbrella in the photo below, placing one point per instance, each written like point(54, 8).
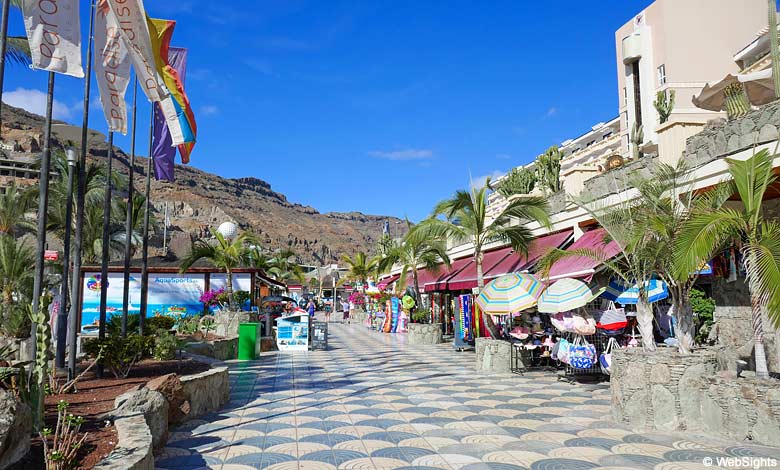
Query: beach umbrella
point(564, 295)
point(758, 88)
point(620, 293)
point(510, 293)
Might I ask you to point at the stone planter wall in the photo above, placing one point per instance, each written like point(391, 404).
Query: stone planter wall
point(221, 349)
point(424, 333)
point(668, 392)
point(15, 429)
point(658, 390)
point(226, 323)
point(133, 450)
point(493, 356)
point(207, 391)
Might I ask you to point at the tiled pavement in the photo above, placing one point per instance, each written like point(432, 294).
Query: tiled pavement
point(374, 402)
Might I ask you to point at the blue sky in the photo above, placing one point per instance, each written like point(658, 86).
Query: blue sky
point(376, 106)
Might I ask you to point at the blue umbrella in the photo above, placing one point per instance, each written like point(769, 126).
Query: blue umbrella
point(618, 292)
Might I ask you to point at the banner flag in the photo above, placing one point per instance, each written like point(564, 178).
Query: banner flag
point(54, 32)
point(112, 67)
point(164, 151)
point(173, 76)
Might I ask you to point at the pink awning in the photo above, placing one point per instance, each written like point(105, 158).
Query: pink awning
point(581, 266)
point(513, 262)
point(466, 278)
point(439, 282)
point(386, 282)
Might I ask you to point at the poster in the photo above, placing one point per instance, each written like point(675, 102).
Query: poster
point(169, 294)
point(292, 333)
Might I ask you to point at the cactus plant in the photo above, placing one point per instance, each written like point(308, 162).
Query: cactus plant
point(548, 170)
point(40, 320)
point(637, 139)
point(664, 104)
point(518, 181)
point(737, 104)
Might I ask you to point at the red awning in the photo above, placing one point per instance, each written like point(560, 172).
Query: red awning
point(581, 266)
point(466, 278)
point(440, 281)
point(512, 262)
point(387, 281)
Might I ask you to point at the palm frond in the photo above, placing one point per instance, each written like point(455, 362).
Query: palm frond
point(765, 269)
point(705, 234)
point(18, 50)
point(752, 177)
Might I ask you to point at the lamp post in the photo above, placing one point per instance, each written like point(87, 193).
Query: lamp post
point(62, 315)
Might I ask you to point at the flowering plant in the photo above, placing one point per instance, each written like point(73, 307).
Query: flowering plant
point(357, 298)
point(213, 298)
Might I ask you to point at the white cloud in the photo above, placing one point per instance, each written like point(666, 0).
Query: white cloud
point(259, 65)
point(403, 155)
point(551, 112)
point(34, 101)
point(208, 110)
point(503, 156)
point(479, 181)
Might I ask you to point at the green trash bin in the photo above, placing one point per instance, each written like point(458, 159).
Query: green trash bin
point(248, 341)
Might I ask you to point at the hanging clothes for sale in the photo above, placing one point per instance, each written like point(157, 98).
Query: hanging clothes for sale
point(460, 340)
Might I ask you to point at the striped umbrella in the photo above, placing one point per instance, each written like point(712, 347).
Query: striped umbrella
point(509, 294)
point(629, 295)
point(564, 295)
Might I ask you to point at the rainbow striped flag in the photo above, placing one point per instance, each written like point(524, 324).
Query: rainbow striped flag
point(161, 32)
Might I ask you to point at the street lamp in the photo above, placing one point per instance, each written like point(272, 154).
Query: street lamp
point(62, 315)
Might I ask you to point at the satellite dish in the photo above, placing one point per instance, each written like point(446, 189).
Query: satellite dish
point(229, 230)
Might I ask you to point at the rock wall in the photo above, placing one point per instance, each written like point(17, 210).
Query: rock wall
point(424, 333)
point(493, 356)
point(721, 138)
point(617, 180)
point(15, 429)
point(668, 392)
point(134, 446)
point(221, 349)
point(207, 391)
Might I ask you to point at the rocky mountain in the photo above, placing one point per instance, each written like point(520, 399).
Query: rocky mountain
point(199, 200)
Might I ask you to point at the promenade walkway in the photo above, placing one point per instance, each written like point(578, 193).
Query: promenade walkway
point(374, 402)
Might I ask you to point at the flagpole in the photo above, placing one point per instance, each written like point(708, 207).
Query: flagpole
point(106, 253)
point(145, 246)
point(129, 219)
point(62, 314)
point(3, 48)
point(76, 285)
point(43, 209)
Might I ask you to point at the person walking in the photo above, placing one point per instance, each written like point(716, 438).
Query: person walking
point(311, 308)
point(347, 308)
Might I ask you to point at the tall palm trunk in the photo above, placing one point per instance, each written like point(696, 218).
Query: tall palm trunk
point(489, 323)
point(644, 317)
point(762, 370)
point(229, 288)
point(683, 314)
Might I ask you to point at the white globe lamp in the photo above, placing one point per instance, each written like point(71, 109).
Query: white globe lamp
point(229, 230)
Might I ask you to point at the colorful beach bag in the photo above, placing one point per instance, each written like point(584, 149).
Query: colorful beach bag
point(563, 351)
point(612, 319)
point(605, 358)
point(584, 326)
point(582, 355)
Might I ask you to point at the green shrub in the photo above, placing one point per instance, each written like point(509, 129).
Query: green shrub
point(241, 297)
point(114, 324)
point(517, 181)
point(703, 311)
point(158, 322)
point(166, 345)
point(16, 323)
point(187, 325)
point(121, 354)
point(421, 315)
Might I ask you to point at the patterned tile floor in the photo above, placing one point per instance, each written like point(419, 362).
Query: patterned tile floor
point(374, 402)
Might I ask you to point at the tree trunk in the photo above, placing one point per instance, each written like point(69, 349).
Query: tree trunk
point(489, 323)
point(417, 292)
point(762, 370)
point(229, 288)
point(683, 314)
point(644, 317)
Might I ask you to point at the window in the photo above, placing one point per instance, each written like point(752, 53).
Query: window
point(662, 75)
point(637, 93)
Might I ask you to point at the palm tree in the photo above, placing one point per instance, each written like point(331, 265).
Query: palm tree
point(282, 265)
point(710, 231)
point(227, 254)
point(360, 267)
point(419, 247)
point(467, 220)
point(17, 264)
point(15, 203)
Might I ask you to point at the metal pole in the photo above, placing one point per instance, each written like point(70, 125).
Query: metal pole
point(3, 48)
point(62, 315)
point(145, 246)
point(129, 220)
point(105, 246)
point(43, 209)
point(75, 292)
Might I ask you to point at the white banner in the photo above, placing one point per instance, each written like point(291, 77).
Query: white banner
point(132, 19)
point(112, 67)
point(54, 32)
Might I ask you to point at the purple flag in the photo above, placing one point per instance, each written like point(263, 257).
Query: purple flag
point(163, 150)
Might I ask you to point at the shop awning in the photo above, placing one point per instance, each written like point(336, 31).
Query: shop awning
point(466, 278)
point(512, 262)
point(271, 282)
point(581, 266)
point(387, 281)
point(440, 282)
